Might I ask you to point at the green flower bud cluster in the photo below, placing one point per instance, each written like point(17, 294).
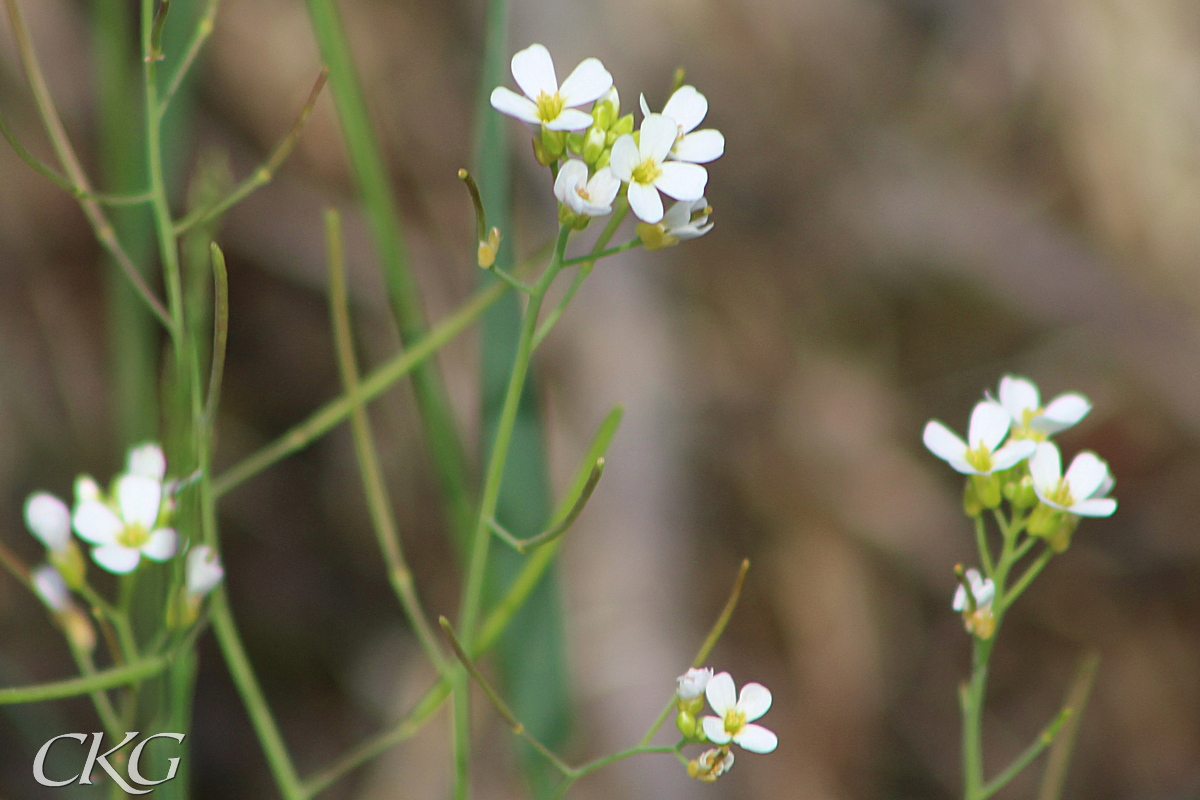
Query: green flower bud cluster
point(594, 145)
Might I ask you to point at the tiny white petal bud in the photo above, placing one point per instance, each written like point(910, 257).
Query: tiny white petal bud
point(49, 520)
point(51, 587)
point(692, 683)
point(204, 570)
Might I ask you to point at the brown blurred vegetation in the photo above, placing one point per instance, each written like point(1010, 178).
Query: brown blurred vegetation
point(917, 196)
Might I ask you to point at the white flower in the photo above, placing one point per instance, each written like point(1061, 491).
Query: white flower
point(989, 425)
point(692, 683)
point(1021, 399)
point(1081, 491)
point(685, 220)
point(733, 722)
point(687, 107)
point(592, 198)
point(641, 165)
point(125, 531)
point(51, 588)
point(204, 570)
point(49, 519)
point(545, 103)
point(982, 589)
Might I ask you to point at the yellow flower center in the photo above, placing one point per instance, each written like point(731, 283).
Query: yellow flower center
point(549, 106)
point(133, 536)
point(980, 458)
point(647, 172)
point(583, 192)
point(734, 721)
point(1061, 494)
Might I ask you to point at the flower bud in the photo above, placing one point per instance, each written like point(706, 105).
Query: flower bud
point(1020, 493)
point(621, 127)
point(49, 519)
point(51, 588)
point(1060, 538)
point(654, 236)
point(691, 684)
point(1044, 521)
point(594, 144)
point(71, 565)
point(78, 629)
point(971, 505)
point(575, 142)
point(987, 490)
point(553, 145)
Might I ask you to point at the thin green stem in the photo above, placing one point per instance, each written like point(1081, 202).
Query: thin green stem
point(220, 337)
point(1039, 745)
point(1023, 582)
point(73, 687)
point(559, 528)
point(985, 554)
point(101, 227)
point(265, 727)
point(378, 381)
point(378, 502)
point(477, 563)
point(204, 29)
point(498, 702)
point(261, 176)
point(592, 258)
point(710, 641)
point(101, 700)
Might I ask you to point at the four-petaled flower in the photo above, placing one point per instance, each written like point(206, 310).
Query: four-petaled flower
point(687, 107)
point(642, 164)
point(545, 102)
point(983, 591)
point(1021, 399)
point(587, 197)
point(1081, 491)
point(736, 713)
point(988, 427)
point(127, 528)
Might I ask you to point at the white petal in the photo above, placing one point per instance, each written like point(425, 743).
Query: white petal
point(682, 180)
point(645, 106)
point(506, 101)
point(147, 460)
point(657, 139)
point(714, 729)
point(86, 489)
point(586, 83)
point(1045, 467)
point(603, 187)
point(204, 570)
point(161, 545)
point(51, 587)
point(756, 739)
point(687, 107)
point(571, 176)
point(139, 499)
point(570, 119)
point(721, 694)
point(48, 519)
point(96, 522)
point(754, 701)
point(1018, 395)
point(989, 425)
point(117, 559)
point(1063, 412)
point(1012, 454)
point(678, 215)
point(624, 157)
point(533, 70)
point(1095, 507)
point(960, 598)
point(985, 592)
point(691, 684)
point(1086, 474)
point(645, 202)
point(700, 147)
point(943, 442)
point(1105, 486)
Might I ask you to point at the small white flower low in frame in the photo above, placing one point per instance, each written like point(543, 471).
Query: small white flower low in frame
point(711, 764)
point(736, 713)
point(1081, 491)
point(203, 570)
point(687, 107)
point(643, 165)
point(983, 590)
point(589, 197)
point(127, 528)
point(683, 220)
point(691, 684)
point(981, 454)
point(545, 102)
point(1030, 420)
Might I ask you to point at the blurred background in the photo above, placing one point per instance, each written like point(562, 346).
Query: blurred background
point(917, 197)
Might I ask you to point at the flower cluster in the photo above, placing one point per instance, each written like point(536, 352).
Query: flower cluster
point(597, 155)
point(732, 724)
point(1008, 455)
point(128, 522)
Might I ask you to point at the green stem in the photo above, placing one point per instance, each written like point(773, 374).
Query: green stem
point(592, 258)
point(985, 554)
point(376, 383)
point(255, 703)
point(1039, 745)
point(73, 687)
point(378, 502)
point(204, 29)
point(477, 564)
point(1023, 582)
